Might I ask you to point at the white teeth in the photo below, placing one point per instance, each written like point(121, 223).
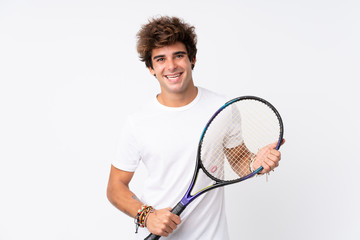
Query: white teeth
point(174, 76)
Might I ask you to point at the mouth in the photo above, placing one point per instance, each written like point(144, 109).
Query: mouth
point(173, 77)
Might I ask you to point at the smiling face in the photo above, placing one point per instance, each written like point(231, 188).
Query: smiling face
point(173, 69)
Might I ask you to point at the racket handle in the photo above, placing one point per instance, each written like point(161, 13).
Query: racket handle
point(178, 209)
point(152, 237)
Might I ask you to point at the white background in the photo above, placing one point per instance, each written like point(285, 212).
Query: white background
point(69, 74)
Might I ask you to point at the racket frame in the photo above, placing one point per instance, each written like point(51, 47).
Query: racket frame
point(188, 197)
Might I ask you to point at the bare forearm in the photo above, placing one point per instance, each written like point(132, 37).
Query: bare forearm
point(239, 159)
point(123, 199)
point(243, 166)
point(160, 222)
point(119, 194)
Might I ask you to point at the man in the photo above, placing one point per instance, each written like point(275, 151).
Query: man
point(164, 136)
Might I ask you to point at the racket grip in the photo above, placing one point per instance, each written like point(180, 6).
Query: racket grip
point(178, 209)
point(152, 237)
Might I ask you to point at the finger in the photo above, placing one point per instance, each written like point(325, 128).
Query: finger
point(271, 164)
point(165, 230)
point(266, 167)
point(272, 158)
point(168, 230)
point(176, 219)
point(172, 225)
point(162, 231)
point(275, 152)
point(274, 145)
point(276, 164)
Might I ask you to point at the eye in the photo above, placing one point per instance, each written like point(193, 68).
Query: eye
point(179, 56)
point(160, 59)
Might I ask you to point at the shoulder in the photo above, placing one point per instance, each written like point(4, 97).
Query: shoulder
point(212, 97)
point(143, 113)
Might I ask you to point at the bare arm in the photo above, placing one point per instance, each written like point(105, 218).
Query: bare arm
point(162, 222)
point(239, 158)
point(119, 194)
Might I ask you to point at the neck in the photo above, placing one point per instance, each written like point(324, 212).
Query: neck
point(177, 99)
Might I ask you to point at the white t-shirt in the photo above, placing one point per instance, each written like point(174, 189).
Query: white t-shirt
point(165, 139)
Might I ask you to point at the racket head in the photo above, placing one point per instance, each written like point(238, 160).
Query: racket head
point(234, 134)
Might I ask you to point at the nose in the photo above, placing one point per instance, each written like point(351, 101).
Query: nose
point(171, 65)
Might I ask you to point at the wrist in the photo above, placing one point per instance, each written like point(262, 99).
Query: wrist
point(141, 216)
point(147, 216)
point(251, 165)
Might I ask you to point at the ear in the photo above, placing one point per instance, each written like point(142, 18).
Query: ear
point(194, 60)
point(193, 63)
point(151, 71)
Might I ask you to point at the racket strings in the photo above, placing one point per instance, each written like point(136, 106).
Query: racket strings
point(234, 137)
point(239, 160)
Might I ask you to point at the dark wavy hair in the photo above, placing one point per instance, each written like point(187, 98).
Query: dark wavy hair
point(163, 31)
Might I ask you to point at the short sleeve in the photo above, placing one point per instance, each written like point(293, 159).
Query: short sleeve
point(127, 155)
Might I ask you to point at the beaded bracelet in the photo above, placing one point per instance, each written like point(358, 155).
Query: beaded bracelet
point(141, 216)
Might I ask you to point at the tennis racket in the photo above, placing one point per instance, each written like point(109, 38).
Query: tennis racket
point(234, 136)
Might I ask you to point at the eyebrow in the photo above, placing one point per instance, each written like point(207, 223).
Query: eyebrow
point(175, 53)
point(179, 52)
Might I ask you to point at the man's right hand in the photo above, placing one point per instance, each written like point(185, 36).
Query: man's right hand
point(162, 222)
